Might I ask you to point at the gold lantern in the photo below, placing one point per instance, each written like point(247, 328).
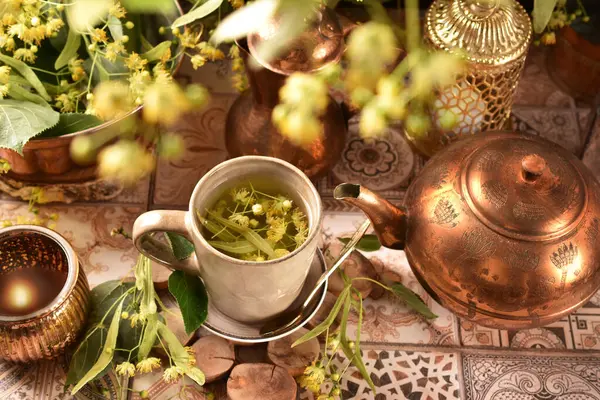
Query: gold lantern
point(493, 36)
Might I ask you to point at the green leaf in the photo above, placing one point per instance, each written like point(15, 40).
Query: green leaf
point(239, 247)
point(149, 337)
point(192, 299)
point(71, 123)
point(217, 230)
point(249, 234)
point(105, 304)
point(69, 51)
point(108, 351)
point(22, 120)
point(182, 248)
point(206, 8)
point(157, 51)
point(178, 354)
point(412, 300)
point(323, 326)
point(115, 27)
point(541, 14)
point(103, 290)
point(27, 73)
point(149, 6)
point(85, 356)
point(366, 243)
point(18, 92)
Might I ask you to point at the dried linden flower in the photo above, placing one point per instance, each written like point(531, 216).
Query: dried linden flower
point(125, 369)
point(148, 364)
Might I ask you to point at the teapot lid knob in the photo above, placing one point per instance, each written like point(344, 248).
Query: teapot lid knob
point(533, 167)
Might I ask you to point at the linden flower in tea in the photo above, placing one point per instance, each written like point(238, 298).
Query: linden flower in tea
point(254, 226)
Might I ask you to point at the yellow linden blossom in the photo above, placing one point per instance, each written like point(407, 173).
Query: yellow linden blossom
point(99, 36)
point(138, 82)
point(164, 103)
point(125, 368)
point(198, 61)
point(66, 101)
point(111, 99)
point(277, 228)
point(189, 38)
point(161, 75)
point(299, 220)
point(192, 356)
point(210, 52)
point(148, 365)
point(53, 25)
point(76, 69)
point(134, 62)
point(26, 55)
point(128, 162)
point(241, 220)
point(4, 74)
point(172, 374)
point(313, 378)
point(4, 90)
point(113, 50)
point(117, 10)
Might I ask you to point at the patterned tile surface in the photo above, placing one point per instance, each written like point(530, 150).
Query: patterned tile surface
point(535, 377)
point(412, 375)
point(407, 358)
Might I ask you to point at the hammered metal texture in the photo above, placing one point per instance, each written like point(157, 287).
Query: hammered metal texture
point(496, 248)
point(494, 40)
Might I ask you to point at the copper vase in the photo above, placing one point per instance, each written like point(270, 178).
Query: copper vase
point(249, 130)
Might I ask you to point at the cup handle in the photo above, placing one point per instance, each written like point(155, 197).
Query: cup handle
point(159, 221)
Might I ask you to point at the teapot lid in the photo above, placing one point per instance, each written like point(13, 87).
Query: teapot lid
point(321, 43)
point(491, 32)
point(524, 188)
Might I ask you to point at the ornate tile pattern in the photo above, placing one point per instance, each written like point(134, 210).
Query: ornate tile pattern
point(535, 377)
point(203, 133)
point(88, 228)
point(401, 375)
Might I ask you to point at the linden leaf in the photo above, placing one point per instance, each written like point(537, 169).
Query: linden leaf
point(367, 243)
point(412, 300)
point(181, 247)
point(157, 51)
point(22, 120)
point(542, 12)
point(191, 297)
point(71, 123)
point(69, 51)
point(149, 6)
point(206, 8)
point(27, 73)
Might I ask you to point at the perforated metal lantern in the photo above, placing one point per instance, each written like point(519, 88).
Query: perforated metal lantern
point(494, 37)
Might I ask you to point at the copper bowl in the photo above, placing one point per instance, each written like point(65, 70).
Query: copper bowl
point(44, 294)
point(48, 160)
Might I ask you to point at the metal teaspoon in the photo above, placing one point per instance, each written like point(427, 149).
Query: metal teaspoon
point(288, 318)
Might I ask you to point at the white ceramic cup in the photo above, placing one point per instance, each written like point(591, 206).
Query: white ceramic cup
point(246, 291)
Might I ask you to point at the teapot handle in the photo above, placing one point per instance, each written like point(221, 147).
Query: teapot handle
point(152, 222)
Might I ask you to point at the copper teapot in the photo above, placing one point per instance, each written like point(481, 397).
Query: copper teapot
point(502, 229)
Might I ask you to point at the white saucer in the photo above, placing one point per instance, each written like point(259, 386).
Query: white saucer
point(222, 325)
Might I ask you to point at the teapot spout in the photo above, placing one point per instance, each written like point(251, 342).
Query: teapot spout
point(388, 220)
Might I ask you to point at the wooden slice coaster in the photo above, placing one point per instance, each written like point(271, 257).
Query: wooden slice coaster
point(261, 382)
point(214, 356)
point(256, 353)
point(296, 359)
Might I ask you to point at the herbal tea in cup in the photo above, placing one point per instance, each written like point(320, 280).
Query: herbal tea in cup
point(252, 225)
point(255, 223)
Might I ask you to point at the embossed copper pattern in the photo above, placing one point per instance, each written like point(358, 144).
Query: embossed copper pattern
point(503, 229)
point(494, 37)
point(321, 43)
point(58, 309)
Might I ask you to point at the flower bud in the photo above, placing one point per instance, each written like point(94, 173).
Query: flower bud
point(197, 95)
point(129, 25)
point(34, 48)
point(171, 146)
point(83, 150)
point(257, 209)
point(35, 21)
point(125, 39)
point(144, 394)
point(125, 315)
